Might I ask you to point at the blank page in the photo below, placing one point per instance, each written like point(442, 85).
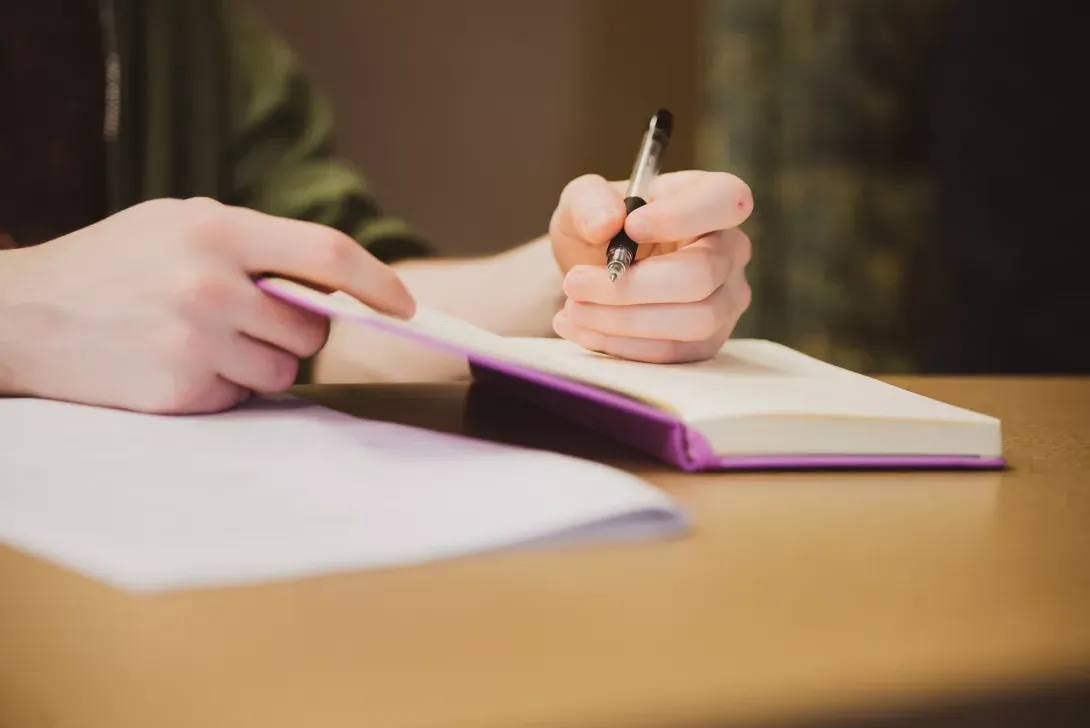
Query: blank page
point(748, 377)
point(283, 488)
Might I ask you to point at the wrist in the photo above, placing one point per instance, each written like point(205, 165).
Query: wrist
point(531, 283)
point(536, 266)
point(14, 330)
point(513, 293)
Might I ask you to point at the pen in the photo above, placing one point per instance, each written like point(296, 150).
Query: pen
point(621, 252)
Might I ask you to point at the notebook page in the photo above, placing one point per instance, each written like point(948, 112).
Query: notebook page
point(446, 332)
point(748, 377)
point(427, 325)
point(282, 488)
point(435, 328)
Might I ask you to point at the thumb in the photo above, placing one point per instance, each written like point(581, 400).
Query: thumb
point(590, 212)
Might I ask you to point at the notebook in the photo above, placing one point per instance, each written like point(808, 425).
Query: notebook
point(283, 488)
point(757, 404)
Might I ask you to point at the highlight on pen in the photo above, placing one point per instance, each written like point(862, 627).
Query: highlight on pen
point(621, 253)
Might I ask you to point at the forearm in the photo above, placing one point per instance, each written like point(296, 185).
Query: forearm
point(8, 382)
point(515, 293)
point(12, 329)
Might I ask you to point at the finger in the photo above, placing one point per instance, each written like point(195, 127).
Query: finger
point(654, 351)
point(687, 275)
point(590, 211)
point(257, 366)
point(197, 392)
point(284, 326)
point(741, 295)
point(318, 255)
point(665, 184)
point(666, 321)
point(715, 201)
point(219, 395)
point(740, 251)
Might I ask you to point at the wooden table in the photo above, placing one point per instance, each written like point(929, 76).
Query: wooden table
point(802, 599)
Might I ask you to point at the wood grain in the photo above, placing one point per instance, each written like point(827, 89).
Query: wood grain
point(801, 598)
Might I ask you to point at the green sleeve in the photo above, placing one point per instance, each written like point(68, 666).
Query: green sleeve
point(283, 159)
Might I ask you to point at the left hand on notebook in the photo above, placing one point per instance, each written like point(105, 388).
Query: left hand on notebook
point(683, 298)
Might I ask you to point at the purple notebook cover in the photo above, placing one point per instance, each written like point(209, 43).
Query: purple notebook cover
point(635, 423)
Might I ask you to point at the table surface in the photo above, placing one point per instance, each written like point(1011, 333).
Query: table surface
point(799, 597)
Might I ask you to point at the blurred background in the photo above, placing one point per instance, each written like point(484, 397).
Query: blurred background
point(469, 117)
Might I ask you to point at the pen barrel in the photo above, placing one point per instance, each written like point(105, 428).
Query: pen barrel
point(646, 167)
point(621, 241)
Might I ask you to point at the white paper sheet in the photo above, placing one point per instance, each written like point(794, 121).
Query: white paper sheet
point(282, 488)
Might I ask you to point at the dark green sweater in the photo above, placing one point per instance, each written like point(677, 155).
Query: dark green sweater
point(202, 100)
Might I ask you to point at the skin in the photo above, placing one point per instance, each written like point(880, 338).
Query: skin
point(685, 297)
point(680, 303)
point(154, 309)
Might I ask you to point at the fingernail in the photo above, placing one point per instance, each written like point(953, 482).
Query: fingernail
point(561, 324)
point(577, 279)
point(405, 308)
point(401, 309)
point(596, 221)
point(637, 228)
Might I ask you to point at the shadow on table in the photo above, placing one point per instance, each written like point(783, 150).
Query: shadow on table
point(477, 410)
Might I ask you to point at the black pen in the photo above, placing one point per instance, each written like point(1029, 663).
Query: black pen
point(621, 252)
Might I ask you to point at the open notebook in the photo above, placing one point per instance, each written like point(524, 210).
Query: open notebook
point(282, 488)
point(757, 404)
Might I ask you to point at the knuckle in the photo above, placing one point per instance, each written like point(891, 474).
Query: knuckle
point(281, 370)
point(204, 220)
point(554, 224)
point(743, 296)
point(331, 251)
point(159, 205)
point(705, 320)
point(203, 204)
point(181, 346)
point(581, 314)
point(587, 191)
point(182, 394)
point(201, 291)
point(662, 352)
point(704, 280)
point(313, 337)
point(584, 181)
point(744, 249)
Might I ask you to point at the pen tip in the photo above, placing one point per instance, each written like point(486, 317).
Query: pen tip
point(614, 269)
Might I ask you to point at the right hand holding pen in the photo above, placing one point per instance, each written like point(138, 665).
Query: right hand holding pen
point(683, 301)
point(154, 309)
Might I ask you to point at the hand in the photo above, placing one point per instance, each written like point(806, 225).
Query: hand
point(681, 302)
point(154, 309)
